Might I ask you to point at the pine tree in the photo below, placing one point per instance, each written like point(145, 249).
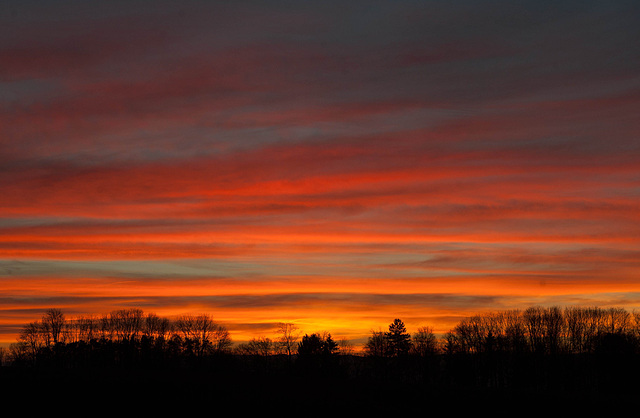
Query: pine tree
point(398, 337)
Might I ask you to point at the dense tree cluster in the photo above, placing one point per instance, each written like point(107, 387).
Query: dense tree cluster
point(546, 331)
point(535, 330)
point(125, 329)
point(317, 344)
point(398, 342)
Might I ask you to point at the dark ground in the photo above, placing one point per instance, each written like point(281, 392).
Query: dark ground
point(355, 386)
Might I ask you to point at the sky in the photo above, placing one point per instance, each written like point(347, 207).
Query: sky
point(333, 164)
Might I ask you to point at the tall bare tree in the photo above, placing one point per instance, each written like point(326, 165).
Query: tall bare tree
point(554, 326)
point(288, 335)
point(377, 345)
point(425, 342)
point(53, 322)
point(155, 326)
point(127, 323)
point(201, 334)
point(32, 338)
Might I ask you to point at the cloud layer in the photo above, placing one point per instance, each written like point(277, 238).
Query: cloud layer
point(331, 165)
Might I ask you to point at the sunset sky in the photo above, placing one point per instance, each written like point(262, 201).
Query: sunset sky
point(335, 164)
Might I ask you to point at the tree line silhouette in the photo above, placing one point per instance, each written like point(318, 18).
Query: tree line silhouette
point(537, 330)
point(574, 351)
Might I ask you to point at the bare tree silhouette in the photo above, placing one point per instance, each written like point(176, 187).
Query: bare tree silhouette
point(53, 325)
point(288, 337)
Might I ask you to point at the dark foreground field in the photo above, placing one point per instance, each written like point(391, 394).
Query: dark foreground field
point(230, 385)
